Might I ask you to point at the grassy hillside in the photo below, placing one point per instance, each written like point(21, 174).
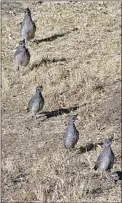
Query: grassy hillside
point(76, 56)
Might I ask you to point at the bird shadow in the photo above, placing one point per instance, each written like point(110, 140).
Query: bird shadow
point(89, 147)
point(46, 61)
point(39, 2)
point(58, 112)
point(83, 149)
point(53, 37)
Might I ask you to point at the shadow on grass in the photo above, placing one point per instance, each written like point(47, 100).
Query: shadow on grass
point(83, 149)
point(46, 61)
point(58, 112)
point(89, 147)
point(53, 37)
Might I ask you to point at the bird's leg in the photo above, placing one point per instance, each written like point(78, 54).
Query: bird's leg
point(17, 68)
point(101, 177)
point(104, 174)
point(71, 149)
point(33, 115)
point(37, 116)
point(107, 175)
point(23, 71)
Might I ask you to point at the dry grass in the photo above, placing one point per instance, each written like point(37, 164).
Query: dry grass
point(76, 57)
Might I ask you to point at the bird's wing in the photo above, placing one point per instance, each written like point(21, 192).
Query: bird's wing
point(34, 25)
point(100, 157)
point(18, 51)
point(65, 134)
point(22, 24)
point(77, 132)
point(111, 160)
point(31, 102)
point(27, 52)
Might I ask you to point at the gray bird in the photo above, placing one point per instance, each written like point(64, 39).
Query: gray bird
point(37, 101)
point(71, 135)
point(28, 27)
point(22, 55)
point(105, 160)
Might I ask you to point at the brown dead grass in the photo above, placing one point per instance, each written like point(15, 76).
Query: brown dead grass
point(76, 57)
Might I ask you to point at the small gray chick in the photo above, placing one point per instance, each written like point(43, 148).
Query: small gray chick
point(28, 28)
point(71, 135)
point(105, 160)
point(37, 101)
point(22, 55)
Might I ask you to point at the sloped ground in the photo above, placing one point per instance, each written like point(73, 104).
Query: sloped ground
point(76, 57)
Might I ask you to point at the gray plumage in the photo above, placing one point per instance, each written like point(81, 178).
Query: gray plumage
point(71, 135)
point(28, 28)
point(37, 101)
point(22, 55)
point(105, 160)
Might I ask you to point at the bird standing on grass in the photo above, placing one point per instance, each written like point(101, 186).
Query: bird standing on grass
point(71, 135)
point(37, 101)
point(28, 28)
point(22, 55)
point(105, 160)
